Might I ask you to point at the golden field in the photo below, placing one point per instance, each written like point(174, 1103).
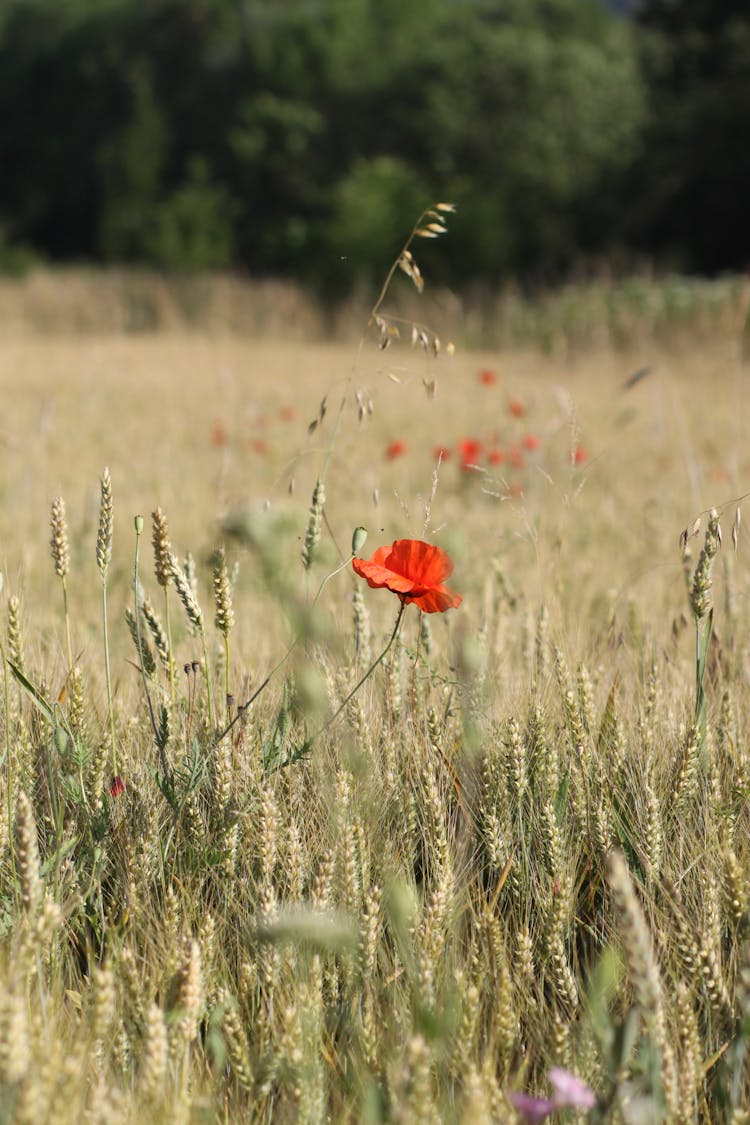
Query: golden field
point(518, 846)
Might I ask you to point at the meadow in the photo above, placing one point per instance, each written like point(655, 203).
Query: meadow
point(522, 844)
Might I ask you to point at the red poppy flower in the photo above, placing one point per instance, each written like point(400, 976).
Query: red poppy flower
point(516, 457)
point(117, 786)
point(396, 449)
point(580, 456)
point(259, 446)
point(218, 434)
point(516, 408)
point(469, 450)
point(287, 414)
point(532, 442)
point(415, 571)
point(496, 456)
point(486, 377)
point(441, 452)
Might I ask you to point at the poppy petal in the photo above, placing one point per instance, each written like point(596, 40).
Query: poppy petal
point(424, 563)
point(378, 576)
point(414, 570)
point(436, 600)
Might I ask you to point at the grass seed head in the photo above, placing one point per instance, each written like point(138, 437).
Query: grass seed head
point(59, 540)
point(162, 547)
point(106, 524)
point(223, 595)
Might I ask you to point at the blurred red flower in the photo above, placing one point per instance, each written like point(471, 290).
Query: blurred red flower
point(414, 570)
point(287, 414)
point(259, 446)
point(442, 452)
point(470, 451)
point(516, 457)
point(218, 434)
point(397, 448)
point(486, 377)
point(496, 456)
point(117, 786)
point(580, 456)
point(516, 408)
point(532, 442)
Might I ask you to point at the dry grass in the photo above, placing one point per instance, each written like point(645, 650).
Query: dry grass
point(513, 849)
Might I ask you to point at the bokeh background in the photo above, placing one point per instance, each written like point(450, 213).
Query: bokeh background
point(300, 139)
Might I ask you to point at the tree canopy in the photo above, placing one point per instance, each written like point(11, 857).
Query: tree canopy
point(302, 136)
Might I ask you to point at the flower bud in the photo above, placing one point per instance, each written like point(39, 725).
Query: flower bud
point(358, 539)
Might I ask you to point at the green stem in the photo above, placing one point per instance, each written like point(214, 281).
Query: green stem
point(314, 738)
point(227, 692)
point(137, 614)
point(169, 644)
point(108, 675)
point(293, 644)
point(67, 624)
point(8, 766)
point(6, 699)
point(703, 627)
point(209, 689)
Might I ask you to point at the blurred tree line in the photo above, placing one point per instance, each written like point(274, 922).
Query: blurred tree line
point(302, 137)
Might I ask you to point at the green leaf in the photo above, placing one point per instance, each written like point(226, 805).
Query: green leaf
point(34, 694)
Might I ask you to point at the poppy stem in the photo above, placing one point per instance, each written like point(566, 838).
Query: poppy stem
point(378, 660)
point(295, 641)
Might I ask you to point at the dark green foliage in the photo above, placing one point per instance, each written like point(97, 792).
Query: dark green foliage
point(694, 174)
point(299, 138)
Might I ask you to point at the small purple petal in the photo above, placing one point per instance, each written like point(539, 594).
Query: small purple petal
point(570, 1090)
point(532, 1110)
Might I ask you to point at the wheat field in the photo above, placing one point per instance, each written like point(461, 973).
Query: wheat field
point(521, 844)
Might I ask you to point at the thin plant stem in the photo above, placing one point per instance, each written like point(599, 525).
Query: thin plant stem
point(168, 628)
point(227, 692)
point(6, 701)
point(241, 710)
point(137, 614)
point(378, 660)
point(67, 623)
point(703, 628)
point(209, 689)
point(373, 313)
point(9, 779)
point(107, 672)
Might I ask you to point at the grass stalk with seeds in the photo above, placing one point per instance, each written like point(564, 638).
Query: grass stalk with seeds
point(194, 614)
point(138, 524)
point(703, 613)
point(103, 559)
point(162, 569)
point(61, 560)
point(535, 866)
point(224, 617)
